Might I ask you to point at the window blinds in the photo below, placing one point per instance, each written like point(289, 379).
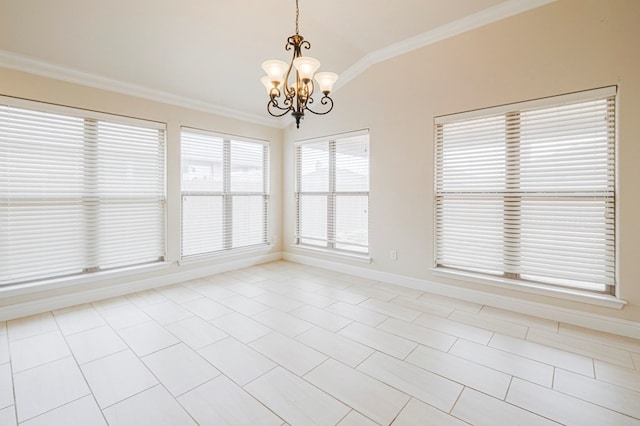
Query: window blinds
point(332, 193)
point(529, 192)
point(79, 191)
point(225, 192)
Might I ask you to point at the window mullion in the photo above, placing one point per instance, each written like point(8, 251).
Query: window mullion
point(512, 199)
point(331, 198)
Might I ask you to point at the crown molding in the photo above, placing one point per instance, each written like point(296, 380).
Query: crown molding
point(45, 69)
point(484, 17)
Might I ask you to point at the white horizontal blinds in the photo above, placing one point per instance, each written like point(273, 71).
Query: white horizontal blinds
point(332, 193)
point(352, 193)
point(63, 202)
point(470, 176)
point(312, 168)
point(130, 187)
point(542, 207)
point(248, 193)
point(202, 157)
point(567, 187)
point(41, 195)
point(225, 193)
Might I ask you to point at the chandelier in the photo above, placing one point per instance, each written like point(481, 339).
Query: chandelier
point(291, 87)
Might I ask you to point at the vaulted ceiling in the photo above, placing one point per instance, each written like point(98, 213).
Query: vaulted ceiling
point(207, 53)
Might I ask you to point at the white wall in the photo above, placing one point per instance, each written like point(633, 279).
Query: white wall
point(563, 47)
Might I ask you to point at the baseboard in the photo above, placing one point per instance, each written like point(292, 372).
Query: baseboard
point(566, 315)
point(40, 304)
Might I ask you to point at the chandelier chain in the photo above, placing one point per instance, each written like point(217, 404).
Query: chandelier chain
point(297, 16)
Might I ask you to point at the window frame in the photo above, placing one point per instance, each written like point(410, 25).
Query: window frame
point(511, 113)
point(228, 195)
point(91, 121)
point(331, 195)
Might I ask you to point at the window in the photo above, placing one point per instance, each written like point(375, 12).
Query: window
point(225, 192)
point(79, 191)
point(527, 191)
point(332, 193)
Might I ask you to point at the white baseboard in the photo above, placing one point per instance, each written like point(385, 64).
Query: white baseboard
point(566, 315)
point(39, 304)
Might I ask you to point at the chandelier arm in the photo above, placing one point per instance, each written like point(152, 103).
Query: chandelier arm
point(275, 105)
point(326, 100)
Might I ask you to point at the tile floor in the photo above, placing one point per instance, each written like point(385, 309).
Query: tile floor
point(283, 343)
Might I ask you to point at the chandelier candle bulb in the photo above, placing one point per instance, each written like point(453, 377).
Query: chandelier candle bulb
point(290, 86)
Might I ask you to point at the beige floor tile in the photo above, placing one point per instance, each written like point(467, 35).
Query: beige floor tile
point(4, 349)
point(376, 400)
point(418, 413)
point(278, 301)
point(295, 400)
point(502, 327)
point(48, 386)
point(240, 327)
point(110, 303)
point(389, 309)
point(407, 292)
point(81, 412)
point(458, 305)
point(583, 347)
point(377, 339)
point(179, 293)
point(196, 332)
point(31, 326)
point(213, 291)
point(636, 360)
point(506, 362)
point(552, 356)
point(419, 334)
point(617, 375)
point(355, 313)
point(307, 297)
point(152, 407)
point(342, 295)
point(167, 312)
point(125, 316)
point(236, 360)
point(480, 409)
point(79, 320)
point(37, 350)
point(372, 292)
point(454, 328)
point(282, 322)
point(518, 318)
point(116, 377)
point(338, 347)
point(562, 408)
point(620, 342)
point(423, 306)
point(180, 369)
point(606, 395)
point(6, 386)
point(424, 385)
point(484, 379)
point(243, 305)
point(146, 298)
point(320, 317)
point(246, 290)
point(147, 337)
point(206, 308)
point(304, 284)
point(95, 343)
point(222, 402)
point(356, 419)
point(8, 416)
point(288, 353)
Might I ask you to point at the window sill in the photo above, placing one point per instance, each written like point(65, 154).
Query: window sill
point(225, 254)
point(78, 280)
point(605, 300)
point(332, 253)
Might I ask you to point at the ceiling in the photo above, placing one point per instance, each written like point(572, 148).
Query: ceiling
point(206, 54)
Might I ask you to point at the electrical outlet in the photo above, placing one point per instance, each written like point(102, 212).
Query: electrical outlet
point(393, 255)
